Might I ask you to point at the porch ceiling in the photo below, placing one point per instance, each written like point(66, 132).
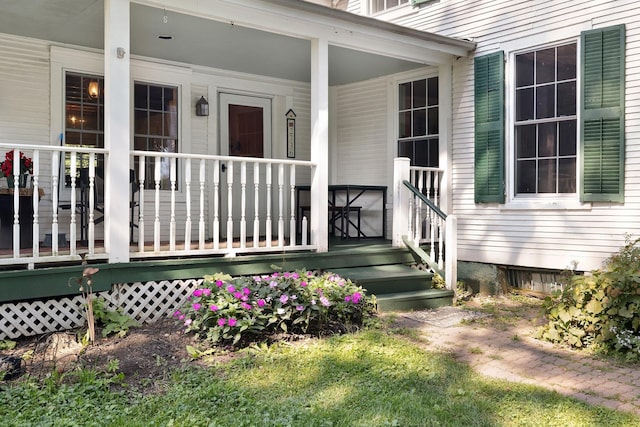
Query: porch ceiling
point(219, 43)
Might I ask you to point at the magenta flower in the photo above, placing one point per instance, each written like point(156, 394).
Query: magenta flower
point(273, 284)
point(303, 284)
point(197, 293)
point(206, 292)
point(232, 321)
point(261, 303)
point(356, 297)
point(324, 301)
point(295, 275)
point(231, 289)
point(245, 306)
point(176, 313)
point(275, 274)
point(187, 322)
point(284, 299)
point(237, 295)
point(213, 307)
point(222, 322)
point(299, 307)
point(286, 275)
point(257, 278)
point(246, 291)
point(347, 298)
point(196, 306)
point(181, 317)
point(219, 283)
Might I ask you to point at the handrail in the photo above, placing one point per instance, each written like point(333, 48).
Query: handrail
point(425, 199)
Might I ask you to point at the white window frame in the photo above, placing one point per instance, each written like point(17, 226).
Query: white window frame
point(540, 201)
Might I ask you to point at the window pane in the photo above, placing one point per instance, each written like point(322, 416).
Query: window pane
point(432, 91)
point(140, 143)
point(526, 141)
point(567, 175)
point(391, 3)
point(545, 65)
point(567, 138)
point(567, 62)
point(526, 176)
point(419, 93)
point(155, 98)
point(171, 124)
point(90, 117)
point(141, 122)
point(419, 122)
point(140, 96)
point(524, 104)
point(567, 99)
point(547, 176)
point(170, 95)
point(377, 5)
point(404, 96)
point(73, 138)
point(404, 124)
point(432, 121)
point(405, 149)
point(524, 69)
point(545, 101)
point(547, 140)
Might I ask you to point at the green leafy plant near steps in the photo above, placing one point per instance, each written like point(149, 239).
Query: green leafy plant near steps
point(225, 309)
point(601, 309)
point(112, 321)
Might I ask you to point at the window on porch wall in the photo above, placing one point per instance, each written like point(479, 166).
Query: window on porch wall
point(418, 121)
point(156, 127)
point(84, 118)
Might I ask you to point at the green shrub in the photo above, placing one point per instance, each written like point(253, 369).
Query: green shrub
point(225, 309)
point(600, 309)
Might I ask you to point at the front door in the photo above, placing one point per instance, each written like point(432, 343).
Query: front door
point(245, 131)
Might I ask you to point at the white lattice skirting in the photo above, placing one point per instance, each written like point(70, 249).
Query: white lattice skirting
point(145, 302)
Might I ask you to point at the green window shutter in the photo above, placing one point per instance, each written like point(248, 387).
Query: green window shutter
point(489, 128)
point(602, 118)
point(417, 2)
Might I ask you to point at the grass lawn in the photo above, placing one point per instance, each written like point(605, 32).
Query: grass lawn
point(372, 378)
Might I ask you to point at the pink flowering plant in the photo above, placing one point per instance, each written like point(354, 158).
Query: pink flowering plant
point(225, 309)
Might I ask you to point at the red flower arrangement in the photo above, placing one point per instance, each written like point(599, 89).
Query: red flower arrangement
point(26, 164)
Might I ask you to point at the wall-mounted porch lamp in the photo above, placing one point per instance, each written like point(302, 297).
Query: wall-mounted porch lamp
point(202, 107)
point(93, 89)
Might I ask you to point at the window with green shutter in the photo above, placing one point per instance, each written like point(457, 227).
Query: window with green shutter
point(602, 116)
point(489, 128)
point(554, 147)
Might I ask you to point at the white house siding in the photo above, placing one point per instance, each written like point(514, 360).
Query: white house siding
point(360, 154)
point(24, 100)
point(544, 238)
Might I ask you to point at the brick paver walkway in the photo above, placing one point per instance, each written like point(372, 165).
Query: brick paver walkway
point(507, 350)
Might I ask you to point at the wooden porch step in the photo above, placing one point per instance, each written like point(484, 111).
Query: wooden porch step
point(386, 279)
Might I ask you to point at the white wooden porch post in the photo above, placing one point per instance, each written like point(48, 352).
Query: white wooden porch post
point(445, 109)
point(117, 128)
point(400, 200)
point(320, 143)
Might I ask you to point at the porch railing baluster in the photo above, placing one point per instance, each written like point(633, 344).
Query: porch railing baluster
point(156, 221)
point(292, 204)
point(36, 205)
point(141, 178)
point(72, 226)
point(187, 191)
point(216, 205)
point(243, 205)
point(92, 183)
point(172, 218)
point(280, 205)
point(55, 171)
point(268, 220)
point(256, 206)
point(201, 223)
point(230, 206)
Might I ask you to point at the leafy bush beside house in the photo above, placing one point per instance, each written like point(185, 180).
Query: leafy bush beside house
point(602, 309)
point(225, 309)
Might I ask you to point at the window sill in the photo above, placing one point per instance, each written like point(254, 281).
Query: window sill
point(544, 205)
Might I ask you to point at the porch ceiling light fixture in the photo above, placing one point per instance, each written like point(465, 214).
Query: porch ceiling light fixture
point(93, 89)
point(202, 107)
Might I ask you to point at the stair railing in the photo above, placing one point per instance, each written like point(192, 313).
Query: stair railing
point(426, 220)
point(419, 221)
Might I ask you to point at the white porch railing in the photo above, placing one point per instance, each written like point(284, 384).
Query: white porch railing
point(185, 204)
point(419, 217)
point(243, 204)
point(34, 227)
